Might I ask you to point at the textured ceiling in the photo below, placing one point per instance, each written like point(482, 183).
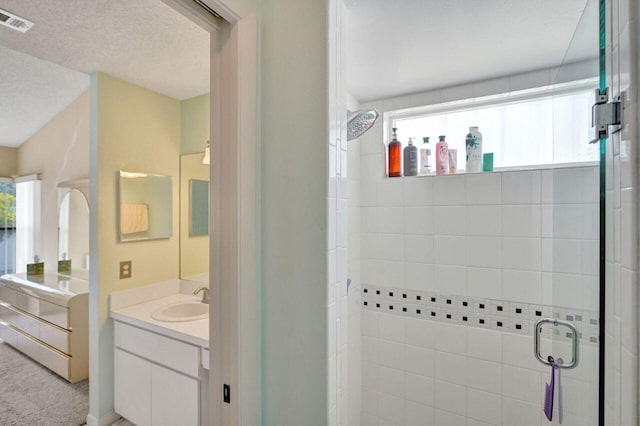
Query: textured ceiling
point(32, 92)
point(406, 46)
point(143, 41)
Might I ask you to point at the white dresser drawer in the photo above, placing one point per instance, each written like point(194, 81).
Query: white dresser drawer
point(8, 295)
point(8, 334)
point(58, 315)
point(37, 319)
point(8, 315)
point(51, 312)
point(55, 361)
point(177, 355)
point(55, 337)
point(50, 334)
point(29, 347)
point(27, 303)
point(29, 325)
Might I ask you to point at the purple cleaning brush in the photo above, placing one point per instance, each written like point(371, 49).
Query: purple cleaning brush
point(549, 390)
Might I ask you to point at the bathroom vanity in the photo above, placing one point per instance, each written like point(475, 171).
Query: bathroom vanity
point(46, 318)
point(160, 365)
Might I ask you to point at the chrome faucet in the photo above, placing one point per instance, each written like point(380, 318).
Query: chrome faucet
point(205, 294)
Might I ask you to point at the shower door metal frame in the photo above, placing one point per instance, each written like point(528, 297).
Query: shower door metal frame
point(602, 67)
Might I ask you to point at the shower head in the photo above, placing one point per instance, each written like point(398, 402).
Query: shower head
point(358, 122)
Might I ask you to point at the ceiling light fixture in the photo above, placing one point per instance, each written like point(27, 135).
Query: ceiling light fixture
point(14, 22)
point(207, 155)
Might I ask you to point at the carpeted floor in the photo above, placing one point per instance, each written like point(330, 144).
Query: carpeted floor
point(32, 395)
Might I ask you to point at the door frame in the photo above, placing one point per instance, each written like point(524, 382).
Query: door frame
point(233, 327)
point(233, 256)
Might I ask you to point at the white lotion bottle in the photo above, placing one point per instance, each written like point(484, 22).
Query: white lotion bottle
point(473, 144)
point(425, 153)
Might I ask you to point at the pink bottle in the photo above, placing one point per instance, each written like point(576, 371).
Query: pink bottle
point(442, 157)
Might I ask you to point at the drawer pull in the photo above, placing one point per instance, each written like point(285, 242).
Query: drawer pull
point(36, 340)
point(23, 312)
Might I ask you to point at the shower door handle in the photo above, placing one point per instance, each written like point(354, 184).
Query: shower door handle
point(574, 341)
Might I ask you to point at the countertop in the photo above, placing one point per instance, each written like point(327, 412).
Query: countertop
point(49, 286)
point(195, 332)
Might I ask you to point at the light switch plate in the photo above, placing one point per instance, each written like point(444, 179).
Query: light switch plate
point(125, 269)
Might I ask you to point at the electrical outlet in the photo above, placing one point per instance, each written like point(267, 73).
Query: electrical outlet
point(125, 269)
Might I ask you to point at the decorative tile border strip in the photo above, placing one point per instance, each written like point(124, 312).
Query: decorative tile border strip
point(491, 314)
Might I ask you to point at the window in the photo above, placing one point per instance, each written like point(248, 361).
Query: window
point(28, 206)
point(7, 227)
point(544, 127)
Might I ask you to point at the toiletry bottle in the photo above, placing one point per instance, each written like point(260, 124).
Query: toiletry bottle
point(411, 159)
point(425, 152)
point(394, 156)
point(442, 157)
point(474, 150)
point(453, 161)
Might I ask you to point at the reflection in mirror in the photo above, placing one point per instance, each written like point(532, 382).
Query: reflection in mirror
point(73, 231)
point(194, 218)
point(199, 207)
point(145, 206)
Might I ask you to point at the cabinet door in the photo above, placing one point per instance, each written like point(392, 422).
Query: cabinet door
point(174, 398)
point(132, 384)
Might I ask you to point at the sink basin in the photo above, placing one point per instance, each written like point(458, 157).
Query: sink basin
point(181, 311)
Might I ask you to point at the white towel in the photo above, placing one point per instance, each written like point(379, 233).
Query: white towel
point(134, 218)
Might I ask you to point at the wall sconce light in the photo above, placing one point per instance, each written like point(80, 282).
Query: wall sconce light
point(207, 155)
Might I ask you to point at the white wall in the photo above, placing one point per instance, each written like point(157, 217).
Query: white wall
point(135, 130)
point(337, 218)
point(622, 219)
point(194, 124)
point(59, 152)
point(194, 134)
point(293, 203)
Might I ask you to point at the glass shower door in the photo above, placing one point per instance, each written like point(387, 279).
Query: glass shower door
point(568, 335)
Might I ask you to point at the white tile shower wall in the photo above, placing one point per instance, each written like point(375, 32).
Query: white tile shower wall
point(433, 367)
point(621, 214)
point(354, 370)
point(354, 380)
point(622, 281)
point(337, 234)
point(440, 241)
point(477, 312)
point(521, 238)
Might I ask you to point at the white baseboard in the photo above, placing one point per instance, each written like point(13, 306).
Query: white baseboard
point(105, 420)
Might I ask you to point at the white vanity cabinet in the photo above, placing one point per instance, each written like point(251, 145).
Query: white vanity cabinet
point(157, 378)
point(46, 318)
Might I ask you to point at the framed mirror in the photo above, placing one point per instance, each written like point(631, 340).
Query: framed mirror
point(145, 206)
point(73, 232)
